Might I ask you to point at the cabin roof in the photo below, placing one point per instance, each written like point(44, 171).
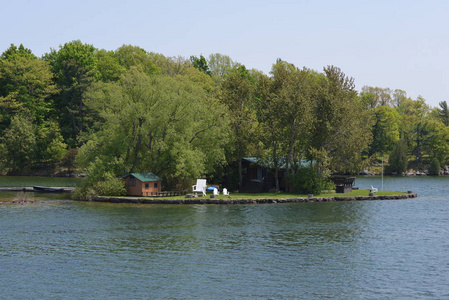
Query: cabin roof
point(281, 162)
point(144, 177)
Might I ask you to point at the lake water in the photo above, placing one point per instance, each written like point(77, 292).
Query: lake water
point(399, 249)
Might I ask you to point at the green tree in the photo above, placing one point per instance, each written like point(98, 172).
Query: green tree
point(237, 94)
point(399, 96)
point(19, 145)
point(386, 129)
point(420, 111)
point(133, 56)
point(75, 69)
point(172, 66)
point(14, 51)
point(31, 136)
point(220, 65)
point(444, 113)
point(154, 124)
point(268, 112)
point(341, 123)
point(398, 159)
point(201, 64)
point(50, 146)
point(376, 96)
point(26, 86)
point(292, 105)
point(435, 140)
point(435, 167)
point(109, 68)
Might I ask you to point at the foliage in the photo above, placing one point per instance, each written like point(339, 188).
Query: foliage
point(154, 124)
point(100, 182)
point(444, 113)
point(68, 160)
point(398, 160)
point(341, 125)
point(385, 130)
point(109, 67)
point(310, 181)
point(237, 95)
point(110, 186)
point(75, 68)
point(435, 139)
point(134, 110)
point(201, 64)
point(220, 65)
point(435, 167)
point(20, 145)
point(373, 97)
point(133, 56)
point(26, 86)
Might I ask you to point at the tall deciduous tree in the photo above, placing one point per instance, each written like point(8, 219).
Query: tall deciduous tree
point(238, 96)
point(292, 106)
point(75, 69)
point(220, 65)
point(30, 136)
point(341, 124)
point(155, 124)
point(108, 65)
point(201, 64)
point(133, 56)
point(376, 96)
point(18, 146)
point(26, 86)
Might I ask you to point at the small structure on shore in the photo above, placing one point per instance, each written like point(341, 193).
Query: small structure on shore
point(142, 184)
point(258, 175)
point(343, 184)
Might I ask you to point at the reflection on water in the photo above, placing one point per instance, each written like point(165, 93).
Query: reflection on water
point(343, 250)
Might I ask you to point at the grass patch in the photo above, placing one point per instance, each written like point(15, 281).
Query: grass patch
point(354, 193)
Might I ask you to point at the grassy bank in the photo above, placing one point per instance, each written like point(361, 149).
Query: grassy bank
point(354, 193)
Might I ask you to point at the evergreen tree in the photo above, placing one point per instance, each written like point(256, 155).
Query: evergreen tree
point(398, 159)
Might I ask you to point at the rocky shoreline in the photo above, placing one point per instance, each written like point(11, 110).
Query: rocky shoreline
point(204, 200)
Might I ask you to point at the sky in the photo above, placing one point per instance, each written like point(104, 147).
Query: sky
point(392, 44)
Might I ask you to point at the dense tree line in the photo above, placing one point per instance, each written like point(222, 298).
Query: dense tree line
point(130, 110)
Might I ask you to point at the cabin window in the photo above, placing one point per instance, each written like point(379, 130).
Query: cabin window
point(155, 184)
point(132, 182)
point(147, 185)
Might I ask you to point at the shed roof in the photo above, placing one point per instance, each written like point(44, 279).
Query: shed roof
point(144, 177)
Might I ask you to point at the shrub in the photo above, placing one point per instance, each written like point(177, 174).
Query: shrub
point(310, 181)
point(434, 168)
point(397, 162)
point(109, 185)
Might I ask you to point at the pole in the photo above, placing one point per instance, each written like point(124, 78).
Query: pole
point(382, 172)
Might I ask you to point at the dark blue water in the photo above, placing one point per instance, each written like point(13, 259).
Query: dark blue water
point(398, 249)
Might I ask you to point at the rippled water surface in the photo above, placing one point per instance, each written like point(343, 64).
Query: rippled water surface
point(399, 249)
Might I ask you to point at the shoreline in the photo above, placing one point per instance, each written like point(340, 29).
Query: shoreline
point(204, 200)
point(32, 190)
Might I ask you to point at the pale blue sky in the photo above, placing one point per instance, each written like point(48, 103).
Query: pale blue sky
point(395, 43)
